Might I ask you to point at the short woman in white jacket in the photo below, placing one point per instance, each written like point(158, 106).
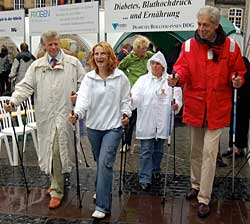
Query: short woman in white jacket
point(152, 97)
point(104, 97)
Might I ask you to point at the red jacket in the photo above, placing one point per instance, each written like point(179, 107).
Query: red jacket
point(208, 81)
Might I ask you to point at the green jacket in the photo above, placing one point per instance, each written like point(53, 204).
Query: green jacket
point(134, 66)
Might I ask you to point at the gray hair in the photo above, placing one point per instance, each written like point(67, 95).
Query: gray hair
point(213, 12)
point(49, 35)
point(140, 42)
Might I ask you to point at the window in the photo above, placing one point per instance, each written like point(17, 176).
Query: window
point(40, 3)
point(18, 4)
point(235, 15)
point(54, 2)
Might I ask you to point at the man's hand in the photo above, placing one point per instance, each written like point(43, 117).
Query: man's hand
point(175, 106)
point(124, 120)
point(237, 81)
point(172, 80)
point(73, 98)
point(73, 118)
point(8, 106)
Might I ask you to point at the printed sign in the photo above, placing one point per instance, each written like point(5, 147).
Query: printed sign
point(151, 15)
point(66, 19)
point(12, 23)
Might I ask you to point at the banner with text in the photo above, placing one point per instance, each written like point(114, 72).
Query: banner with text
point(152, 15)
point(66, 19)
point(12, 23)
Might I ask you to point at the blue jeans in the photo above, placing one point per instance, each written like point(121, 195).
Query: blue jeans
point(104, 146)
point(150, 158)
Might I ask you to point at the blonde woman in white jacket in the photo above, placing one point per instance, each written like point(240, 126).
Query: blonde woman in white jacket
point(104, 98)
point(152, 97)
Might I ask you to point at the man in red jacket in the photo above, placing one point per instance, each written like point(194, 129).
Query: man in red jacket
point(206, 67)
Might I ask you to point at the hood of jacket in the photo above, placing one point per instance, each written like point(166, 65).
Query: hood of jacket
point(25, 55)
point(157, 57)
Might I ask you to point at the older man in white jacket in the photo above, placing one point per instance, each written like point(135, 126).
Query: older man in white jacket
point(52, 78)
point(152, 97)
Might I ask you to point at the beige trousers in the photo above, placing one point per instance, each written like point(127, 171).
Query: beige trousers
point(57, 179)
point(204, 149)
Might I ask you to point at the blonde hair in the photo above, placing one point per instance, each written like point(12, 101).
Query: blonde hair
point(112, 60)
point(140, 42)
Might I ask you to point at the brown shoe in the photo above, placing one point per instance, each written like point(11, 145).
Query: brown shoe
point(54, 202)
point(192, 194)
point(203, 210)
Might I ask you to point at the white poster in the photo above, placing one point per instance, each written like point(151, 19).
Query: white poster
point(12, 23)
point(151, 15)
point(66, 19)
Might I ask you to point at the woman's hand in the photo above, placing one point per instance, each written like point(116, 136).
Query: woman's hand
point(124, 119)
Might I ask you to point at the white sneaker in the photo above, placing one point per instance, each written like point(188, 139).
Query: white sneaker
point(94, 196)
point(98, 214)
point(124, 148)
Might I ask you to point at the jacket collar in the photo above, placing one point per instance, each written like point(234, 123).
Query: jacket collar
point(220, 38)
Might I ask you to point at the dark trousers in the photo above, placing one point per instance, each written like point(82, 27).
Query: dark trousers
point(4, 84)
point(242, 124)
point(130, 129)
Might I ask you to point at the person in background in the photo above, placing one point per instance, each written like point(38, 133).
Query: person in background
point(5, 67)
point(242, 117)
point(52, 78)
point(152, 97)
point(104, 99)
point(20, 65)
point(134, 65)
point(126, 48)
point(206, 67)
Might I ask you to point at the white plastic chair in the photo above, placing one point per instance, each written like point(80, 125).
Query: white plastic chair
point(4, 137)
point(8, 130)
point(31, 121)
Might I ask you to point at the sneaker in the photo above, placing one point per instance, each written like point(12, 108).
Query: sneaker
point(219, 161)
point(144, 186)
point(239, 154)
point(124, 148)
point(98, 215)
point(94, 196)
point(228, 153)
point(203, 210)
point(156, 176)
point(192, 194)
point(54, 202)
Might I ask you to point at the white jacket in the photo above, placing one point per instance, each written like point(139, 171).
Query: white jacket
point(152, 98)
point(104, 100)
point(52, 89)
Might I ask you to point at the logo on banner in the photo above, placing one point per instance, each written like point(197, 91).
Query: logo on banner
point(40, 14)
point(115, 25)
point(119, 25)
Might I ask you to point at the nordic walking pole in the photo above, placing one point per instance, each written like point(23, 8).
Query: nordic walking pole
point(85, 159)
point(121, 162)
point(234, 130)
point(169, 144)
point(173, 100)
point(24, 125)
point(77, 168)
point(125, 157)
point(19, 153)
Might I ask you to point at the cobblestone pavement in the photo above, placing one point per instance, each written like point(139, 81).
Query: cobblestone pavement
point(12, 177)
